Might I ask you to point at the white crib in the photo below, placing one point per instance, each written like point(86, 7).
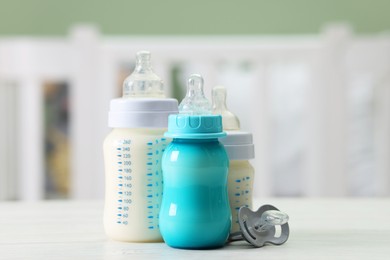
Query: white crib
point(308, 100)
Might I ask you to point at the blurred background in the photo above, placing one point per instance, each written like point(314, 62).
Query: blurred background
point(309, 79)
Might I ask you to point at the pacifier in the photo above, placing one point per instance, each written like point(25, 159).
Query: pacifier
point(266, 225)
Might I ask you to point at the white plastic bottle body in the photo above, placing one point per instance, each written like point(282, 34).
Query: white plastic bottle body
point(240, 188)
point(133, 180)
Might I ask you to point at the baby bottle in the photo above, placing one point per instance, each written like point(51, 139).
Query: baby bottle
point(195, 209)
point(239, 147)
point(132, 156)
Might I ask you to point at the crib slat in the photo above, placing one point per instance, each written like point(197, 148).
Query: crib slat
point(382, 132)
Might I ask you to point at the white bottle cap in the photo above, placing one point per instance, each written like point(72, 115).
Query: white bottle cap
point(141, 113)
point(239, 145)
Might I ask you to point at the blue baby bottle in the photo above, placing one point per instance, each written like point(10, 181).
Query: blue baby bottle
point(195, 211)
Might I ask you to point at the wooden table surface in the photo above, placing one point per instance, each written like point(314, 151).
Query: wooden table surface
point(319, 229)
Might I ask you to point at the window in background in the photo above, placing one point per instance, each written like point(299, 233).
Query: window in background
point(178, 82)
point(57, 140)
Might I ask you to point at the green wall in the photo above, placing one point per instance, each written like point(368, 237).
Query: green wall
point(180, 17)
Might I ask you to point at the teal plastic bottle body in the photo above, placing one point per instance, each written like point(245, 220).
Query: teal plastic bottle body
point(195, 211)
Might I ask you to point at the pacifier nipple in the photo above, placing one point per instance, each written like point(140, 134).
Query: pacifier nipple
point(143, 82)
point(229, 120)
point(195, 102)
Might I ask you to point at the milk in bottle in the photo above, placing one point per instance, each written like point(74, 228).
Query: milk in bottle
point(132, 156)
point(240, 149)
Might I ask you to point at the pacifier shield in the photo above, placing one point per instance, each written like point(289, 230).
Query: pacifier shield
point(266, 225)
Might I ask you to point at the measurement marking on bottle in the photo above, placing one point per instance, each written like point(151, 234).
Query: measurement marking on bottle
point(149, 172)
point(124, 185)
point(153, 191)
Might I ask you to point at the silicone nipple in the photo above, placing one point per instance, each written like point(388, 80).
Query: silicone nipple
point(195, 102)
point(229, 120)
point(143, 82)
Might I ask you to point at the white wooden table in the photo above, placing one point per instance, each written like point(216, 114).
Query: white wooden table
point(320, 229)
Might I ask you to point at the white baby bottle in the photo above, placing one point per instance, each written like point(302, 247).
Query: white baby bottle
point(132, 156)
point(240, 149)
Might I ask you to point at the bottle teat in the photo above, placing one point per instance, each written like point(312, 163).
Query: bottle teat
point(143, 82)
point(229, 120)
point(195, 102)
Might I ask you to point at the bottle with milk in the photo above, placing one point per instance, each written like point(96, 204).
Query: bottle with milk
point(132, 156)
point(240, 149)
